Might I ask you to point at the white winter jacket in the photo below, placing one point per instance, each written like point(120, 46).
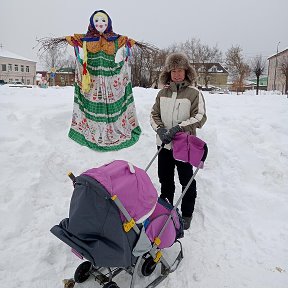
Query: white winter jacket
point(181, 105)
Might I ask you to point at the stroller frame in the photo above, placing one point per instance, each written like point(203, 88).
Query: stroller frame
point(102, 276)
point(105, 277)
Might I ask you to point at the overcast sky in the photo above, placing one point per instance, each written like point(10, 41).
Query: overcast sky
point(257, 26)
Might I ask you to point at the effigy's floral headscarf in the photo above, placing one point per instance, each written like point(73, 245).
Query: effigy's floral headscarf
point(94, 35)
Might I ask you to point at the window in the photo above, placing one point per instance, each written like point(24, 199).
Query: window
point(28, 81)
point(27, 68)
point(4, 68)
point(213, 69)
point(16, 67)
point(9, 67)
point(201, 69)
point(10, 80)
point(16, 80)
point(22, 68)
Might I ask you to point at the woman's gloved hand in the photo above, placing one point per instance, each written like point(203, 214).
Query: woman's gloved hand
point(168, 136)
point(161, 132)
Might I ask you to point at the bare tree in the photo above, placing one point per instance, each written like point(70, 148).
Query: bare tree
point(137, 67)
point(258, 68)
point(175, 47)
point(53, 58)
point(157, 66)
point(190, 49)
point(284, 72)
point(146, 66)
point(237, 66)
point(69, 62)
point(202, 54)
point(207, 54)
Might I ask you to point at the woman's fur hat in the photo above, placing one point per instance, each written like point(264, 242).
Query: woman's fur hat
point(176, 61)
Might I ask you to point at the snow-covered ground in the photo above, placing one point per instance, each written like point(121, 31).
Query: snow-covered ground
point(239, 233)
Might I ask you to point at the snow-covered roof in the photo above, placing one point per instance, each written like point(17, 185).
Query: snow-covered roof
point(219, 67)
point(248, 82)
point(8, 54)
point(280, 52)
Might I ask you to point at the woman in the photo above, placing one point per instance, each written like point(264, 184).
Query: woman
point(178, 107)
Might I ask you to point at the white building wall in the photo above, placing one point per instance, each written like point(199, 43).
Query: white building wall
point(28, 76)
point(276, 80)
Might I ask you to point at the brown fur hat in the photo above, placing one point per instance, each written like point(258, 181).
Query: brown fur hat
point(174, 61)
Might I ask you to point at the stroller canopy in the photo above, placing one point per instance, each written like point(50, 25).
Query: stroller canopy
point(94, 227)
point(131, 184)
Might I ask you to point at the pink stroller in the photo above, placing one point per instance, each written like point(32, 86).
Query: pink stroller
point(117, 223)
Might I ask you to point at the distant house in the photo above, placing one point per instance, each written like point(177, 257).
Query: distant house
point(262, 82)
point(211, 74)
point(233, 86)
point(276, 80)
point(16, 68)
point(63, 77)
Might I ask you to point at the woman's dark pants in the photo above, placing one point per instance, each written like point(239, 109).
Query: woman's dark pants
point(166, 171)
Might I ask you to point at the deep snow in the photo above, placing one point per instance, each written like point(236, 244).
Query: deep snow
point(239, 233)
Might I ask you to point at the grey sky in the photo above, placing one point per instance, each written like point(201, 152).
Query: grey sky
point(257, 26)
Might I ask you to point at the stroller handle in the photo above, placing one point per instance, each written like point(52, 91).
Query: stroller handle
point(154, 157)
point(205, 153)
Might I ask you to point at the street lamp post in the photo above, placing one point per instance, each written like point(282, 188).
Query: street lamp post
point(276, 64)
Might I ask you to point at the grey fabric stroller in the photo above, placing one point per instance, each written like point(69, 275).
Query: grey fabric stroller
point(117, 223)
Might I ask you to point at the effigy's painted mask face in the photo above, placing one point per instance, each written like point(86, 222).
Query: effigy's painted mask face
point(100, 22)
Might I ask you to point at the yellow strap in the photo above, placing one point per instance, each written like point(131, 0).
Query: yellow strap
point(157, 241)
point(158, 256)
point(129, 225)
point(86, 80)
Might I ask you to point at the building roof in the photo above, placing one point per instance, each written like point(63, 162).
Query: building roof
point(66, 70)
point(7, 54)
point(219, 67)
point(263, 80)
point(274, 55)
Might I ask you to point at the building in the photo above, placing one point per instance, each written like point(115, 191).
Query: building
point(63, 77)
point(276, 79)
point(263, 80)
point(15, 68)
point(211, 74)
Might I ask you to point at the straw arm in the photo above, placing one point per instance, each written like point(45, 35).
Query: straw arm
point(146, 47)
point(49, 43)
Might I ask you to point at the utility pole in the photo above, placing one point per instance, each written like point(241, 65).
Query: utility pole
point(276, 64)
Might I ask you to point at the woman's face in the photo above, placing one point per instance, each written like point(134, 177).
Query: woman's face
point(100, 22)
point(177, 75)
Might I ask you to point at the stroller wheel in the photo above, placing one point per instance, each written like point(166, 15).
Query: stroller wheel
point(111, 285)
point(82, 272)
point(148, 266)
